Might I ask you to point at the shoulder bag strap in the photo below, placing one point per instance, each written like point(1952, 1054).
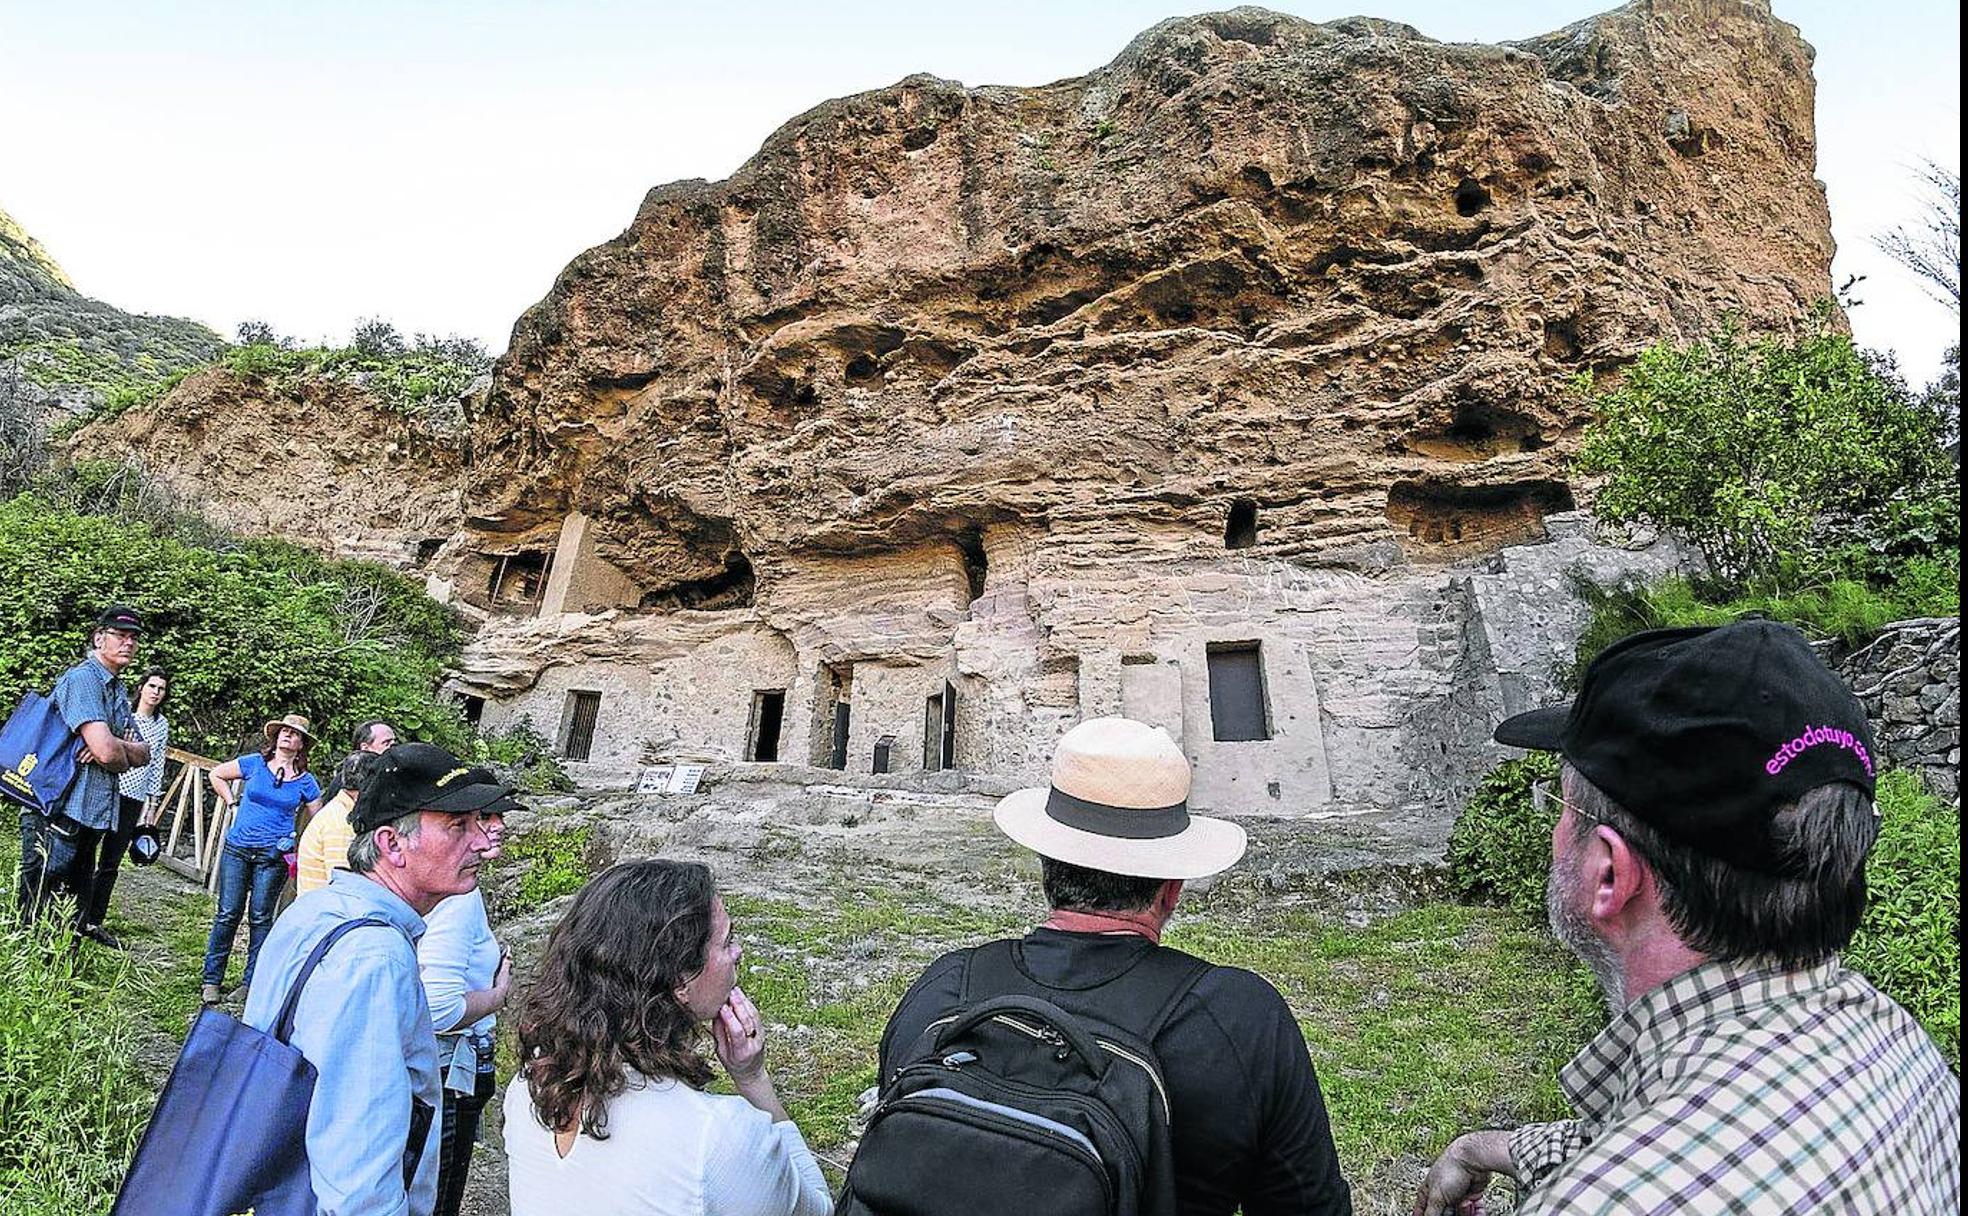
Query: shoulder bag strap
point(283, 1026)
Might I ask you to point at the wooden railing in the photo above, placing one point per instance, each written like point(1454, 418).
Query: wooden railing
point(188, 801)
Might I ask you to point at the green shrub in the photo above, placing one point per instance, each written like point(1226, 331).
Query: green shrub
point(551, 861)
point(1909, 943)
point(1770, 454)
point(1500, 847)
point(73, 1097)
point(523, 756)
point(247, 634)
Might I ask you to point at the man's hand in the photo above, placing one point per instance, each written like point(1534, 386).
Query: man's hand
point(1456, 1181)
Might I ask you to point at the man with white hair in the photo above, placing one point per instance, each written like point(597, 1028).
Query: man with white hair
point(1246, 1123)
point(1715, 809)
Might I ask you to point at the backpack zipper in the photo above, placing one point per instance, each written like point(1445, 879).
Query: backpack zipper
point(1154, 1077)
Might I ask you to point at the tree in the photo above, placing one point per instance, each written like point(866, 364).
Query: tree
point(257, 333)
point(1764, 451)
point(1931, 247)
point(378, 339)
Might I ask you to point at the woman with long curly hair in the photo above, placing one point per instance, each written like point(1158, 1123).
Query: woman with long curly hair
point(615, 1119)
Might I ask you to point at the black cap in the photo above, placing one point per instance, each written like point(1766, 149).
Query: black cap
point(1704, 734)
point(423, 777)
point(117, 616)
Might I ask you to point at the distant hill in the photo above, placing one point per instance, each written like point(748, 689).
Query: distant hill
point(60, 349)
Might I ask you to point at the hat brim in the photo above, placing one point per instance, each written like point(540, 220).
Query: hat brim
point(1205, 847)
point(1536, 730)
point(467, 798)
point(272, 730)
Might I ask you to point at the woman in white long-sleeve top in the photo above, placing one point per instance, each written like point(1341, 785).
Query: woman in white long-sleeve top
point(613, 1118)
point(466, 976)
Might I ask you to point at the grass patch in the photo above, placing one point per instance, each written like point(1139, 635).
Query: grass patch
point(74, 1096)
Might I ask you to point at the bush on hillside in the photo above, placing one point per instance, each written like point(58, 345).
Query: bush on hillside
point(1500, 847)
point(1784, 460)
point(248, 633)
point(1909, 943)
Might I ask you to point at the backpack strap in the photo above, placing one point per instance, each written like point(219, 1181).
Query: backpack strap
point(283, 1026)
point(1154, 985)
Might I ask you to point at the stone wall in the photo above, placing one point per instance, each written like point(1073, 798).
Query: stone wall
point(1378, 692)
point(1909, 679)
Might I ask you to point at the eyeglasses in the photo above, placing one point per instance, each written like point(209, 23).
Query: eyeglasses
point(1546, 800)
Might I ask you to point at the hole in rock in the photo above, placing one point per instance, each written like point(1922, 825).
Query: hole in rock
point(1240, 530)
point(1470, 197)
point(733, 587)
point(977, 565)
point(1436, 514)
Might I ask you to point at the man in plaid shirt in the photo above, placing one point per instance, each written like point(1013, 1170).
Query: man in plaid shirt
point(1715, 812)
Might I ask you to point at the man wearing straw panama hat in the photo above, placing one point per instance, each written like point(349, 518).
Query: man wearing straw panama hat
point(1115, 839)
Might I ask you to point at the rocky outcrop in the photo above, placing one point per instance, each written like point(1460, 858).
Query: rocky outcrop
point(1333, 278)
point(304, 458)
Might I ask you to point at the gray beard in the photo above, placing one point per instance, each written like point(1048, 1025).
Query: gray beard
point(1577, 934)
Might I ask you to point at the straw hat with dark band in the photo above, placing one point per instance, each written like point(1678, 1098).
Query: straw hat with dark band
point(296, 721)
point(1119, 802)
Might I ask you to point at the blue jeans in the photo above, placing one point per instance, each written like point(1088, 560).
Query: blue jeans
point(259, 872)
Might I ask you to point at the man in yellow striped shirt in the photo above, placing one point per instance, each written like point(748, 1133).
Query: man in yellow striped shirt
point(324, 845)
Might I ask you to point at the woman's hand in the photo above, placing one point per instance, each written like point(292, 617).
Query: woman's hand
point(739, 1037)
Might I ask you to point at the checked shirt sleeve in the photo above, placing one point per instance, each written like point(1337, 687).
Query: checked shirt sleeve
point(1536, 1149)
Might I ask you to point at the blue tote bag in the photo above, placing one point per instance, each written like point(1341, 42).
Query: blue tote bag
point(39, 754)
point(229, 1134)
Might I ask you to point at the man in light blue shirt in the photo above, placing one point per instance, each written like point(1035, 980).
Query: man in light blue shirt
point(363, 1022)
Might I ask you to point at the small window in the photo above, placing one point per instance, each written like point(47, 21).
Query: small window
point(768, 714)
point(578, 725)
point(1240, 530)
point(1236, 692)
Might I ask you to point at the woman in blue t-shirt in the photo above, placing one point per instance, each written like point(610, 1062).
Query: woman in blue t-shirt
point(275, 786)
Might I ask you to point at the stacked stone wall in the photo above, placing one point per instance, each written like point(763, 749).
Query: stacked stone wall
point(1909, 679)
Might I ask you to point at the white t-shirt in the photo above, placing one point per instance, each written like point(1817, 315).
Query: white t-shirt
point(671, 1151)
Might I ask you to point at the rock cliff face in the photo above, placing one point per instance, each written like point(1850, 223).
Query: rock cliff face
point(959, 415)
point(303, 458)
point(1314, 289)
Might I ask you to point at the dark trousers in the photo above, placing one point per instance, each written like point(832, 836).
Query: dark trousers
point(107, 861)
point(247, 877)
point(50, 865)
point(461, 1112)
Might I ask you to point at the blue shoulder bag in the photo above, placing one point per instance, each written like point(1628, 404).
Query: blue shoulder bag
point(229, 1134)
point(39, 755)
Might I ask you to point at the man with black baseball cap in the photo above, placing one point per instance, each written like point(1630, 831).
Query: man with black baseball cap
point(1715, 810)
point(59, 851)
point(362, 1020)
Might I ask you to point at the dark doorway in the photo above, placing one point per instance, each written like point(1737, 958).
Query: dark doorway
point(940, 730)
point(768, 713)
point(474, 708)
point(1240, 530)
point(1236, 692)
point(577, 735)
point(839, 757)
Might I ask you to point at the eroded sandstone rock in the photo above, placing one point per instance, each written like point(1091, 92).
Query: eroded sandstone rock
point(1340, 274)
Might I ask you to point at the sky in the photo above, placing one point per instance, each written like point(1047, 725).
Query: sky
point(436, 163)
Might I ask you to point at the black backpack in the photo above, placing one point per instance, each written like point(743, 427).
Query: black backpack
point(1028, 1100)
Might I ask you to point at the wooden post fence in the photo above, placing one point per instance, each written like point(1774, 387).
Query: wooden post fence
point(188, 800)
